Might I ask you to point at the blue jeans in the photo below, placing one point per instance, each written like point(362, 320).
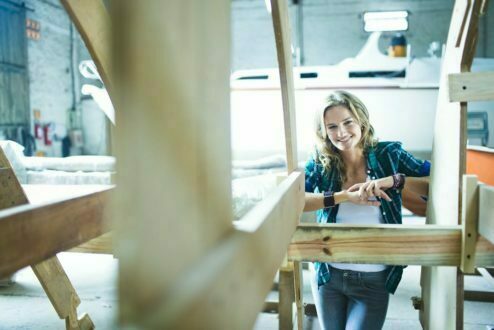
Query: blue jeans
point(352, 300)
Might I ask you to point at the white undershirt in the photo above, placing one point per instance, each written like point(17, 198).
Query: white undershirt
point(350, 213)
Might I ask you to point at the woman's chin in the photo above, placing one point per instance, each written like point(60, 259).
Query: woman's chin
point(345, 146)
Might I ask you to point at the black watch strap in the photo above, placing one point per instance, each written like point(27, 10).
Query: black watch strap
point(328, 199)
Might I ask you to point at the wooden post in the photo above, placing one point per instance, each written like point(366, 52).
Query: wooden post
point(61, 293)
point(469, 218)
point(93, 23)
point(287, 297)
point(282, 35)
point(298, 280)
point(173, 175)
point(443, 306)
point(281, 27)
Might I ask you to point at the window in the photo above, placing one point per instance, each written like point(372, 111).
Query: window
point(386, 21)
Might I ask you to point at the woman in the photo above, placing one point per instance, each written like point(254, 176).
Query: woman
point(352, 178)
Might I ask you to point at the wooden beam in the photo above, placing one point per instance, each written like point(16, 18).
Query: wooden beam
point(484, 296)
point(282, 35)
point(428, 245)
point(228, 274)
point(93, 23)
point(439, 284)
point(31, 234)
point(471, 86)
point(384, 244)
point(102, 244)
point(286, 298)
point(49, 272)
point(61, 293)
point(469, 225)
point(486, 212)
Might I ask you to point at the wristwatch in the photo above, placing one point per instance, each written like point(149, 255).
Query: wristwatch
point(328, 199)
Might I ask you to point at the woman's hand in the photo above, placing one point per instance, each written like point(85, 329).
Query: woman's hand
point(373, 188)
point(354, 197)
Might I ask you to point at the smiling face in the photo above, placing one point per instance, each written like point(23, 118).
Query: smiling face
point(342, 128)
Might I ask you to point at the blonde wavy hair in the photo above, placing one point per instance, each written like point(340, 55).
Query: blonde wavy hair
point(327, 153)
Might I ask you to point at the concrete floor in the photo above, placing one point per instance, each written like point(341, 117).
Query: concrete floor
point(24, 305)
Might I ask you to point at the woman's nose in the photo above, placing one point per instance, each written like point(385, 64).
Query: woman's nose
point(341, 130)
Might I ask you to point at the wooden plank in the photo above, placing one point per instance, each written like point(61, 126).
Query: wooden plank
point(174, 157)
point(469, 217)
point(484, 252)
point(240, 268)
point(61, 293)
point(428, 245)
point(11, 190)
point(102, 244)
point(486, 212)
point(52, 278)
point(49, 272)
point(93, 23)
point(484, 296)
point(471, 86)
point(286, 292)
point(439, 285)
point(282, 36)
point(31, 234)
point(383, 244)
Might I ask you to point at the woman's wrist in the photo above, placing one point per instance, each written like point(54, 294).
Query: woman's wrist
point(340, 197)
point(330, 199)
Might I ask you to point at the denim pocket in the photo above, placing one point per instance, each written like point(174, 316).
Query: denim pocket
point(376, 281)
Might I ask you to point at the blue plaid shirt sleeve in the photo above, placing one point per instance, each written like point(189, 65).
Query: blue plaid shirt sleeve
point(310, 176)
point(411, 166)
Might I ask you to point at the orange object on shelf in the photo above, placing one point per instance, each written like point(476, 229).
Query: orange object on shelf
point(480, 161)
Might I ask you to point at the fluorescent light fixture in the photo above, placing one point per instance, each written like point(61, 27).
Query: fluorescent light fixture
point(386, 21)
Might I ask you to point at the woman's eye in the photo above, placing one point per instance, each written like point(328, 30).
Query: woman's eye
point(331, 127)
point(349, 122)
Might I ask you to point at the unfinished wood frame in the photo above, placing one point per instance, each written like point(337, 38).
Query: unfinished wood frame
point(174, 196)
point(22, 243)
point(33, 233)
point(291, 280)
point(442, 287)
point(429, 245)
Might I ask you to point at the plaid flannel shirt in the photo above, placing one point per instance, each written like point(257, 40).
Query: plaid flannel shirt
point(385, 159)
